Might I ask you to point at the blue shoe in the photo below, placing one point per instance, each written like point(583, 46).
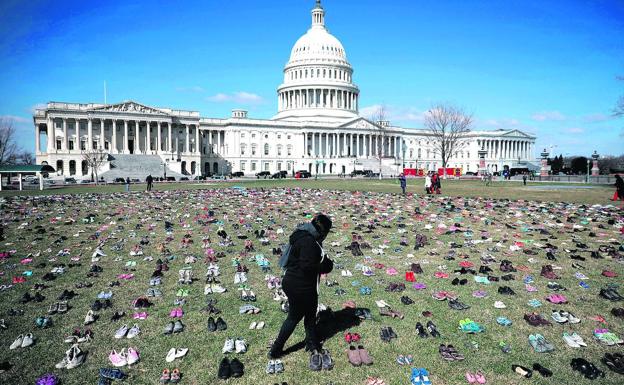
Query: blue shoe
point(424, 374)
point(584, 285)
point(416, 380)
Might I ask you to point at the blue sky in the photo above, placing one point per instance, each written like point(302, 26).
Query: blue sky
point(546, 67)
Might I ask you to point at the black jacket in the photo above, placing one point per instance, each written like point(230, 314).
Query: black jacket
point(305, 264)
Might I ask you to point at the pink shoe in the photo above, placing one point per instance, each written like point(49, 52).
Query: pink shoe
point(173, 313)
point(480, 377)
point(179, 312)
point(471, 378)
point(562, 299)
point(117, 359)
point(133, 356)
point(137, 316)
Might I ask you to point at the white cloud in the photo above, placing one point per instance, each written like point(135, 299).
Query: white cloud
point(594, 118)
point(196, 89)
point(548, 115)
point(16, 119)
point(237, 97)
point(575, 130)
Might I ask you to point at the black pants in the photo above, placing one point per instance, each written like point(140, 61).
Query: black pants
point(301, 306)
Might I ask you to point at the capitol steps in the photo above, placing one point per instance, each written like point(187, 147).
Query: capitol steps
point(136, 166)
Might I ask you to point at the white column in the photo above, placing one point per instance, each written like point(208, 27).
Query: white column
point(158, 139)
point(51, 135)
point(102, 134)
point(148, 137)
point(314, 144)
point(65, 140)
point(89, 145)
point(198, 140)
point(37, 135)
point(125, 138)
point(169, 134)
point(114, 149)
point(187, 146)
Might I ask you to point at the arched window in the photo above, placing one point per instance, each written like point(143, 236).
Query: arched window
point(266, 149)
point(411, 153)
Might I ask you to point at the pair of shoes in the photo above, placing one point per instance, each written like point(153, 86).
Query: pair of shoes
point(122, 358)
point(230, 346)
point(358, 356)
point(79, 337)
point(173, 327)
point(539, 344)
point(561, 316)
point(58, 307)
point(256, 325)
point(614, 361)
point(405, 360)
point(449, 353)
point(228, 368)
point(175, 353)
point(124, 331)
point(74, 357)
point(387, 334)
point(405, 300)
point(219, 324)
point(476, 378)
point(320, 360)
point(170, 376)
point(274, 367)
point(586, 368)
point(112, 374)
point(42, 322)
point(352, 337)
point(420, 376)
point(23, 341)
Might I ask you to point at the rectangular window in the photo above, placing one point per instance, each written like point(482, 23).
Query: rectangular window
point(71, 144)
point(279, 136)
point(288, 166)
point(279, 166)
point(106, 145)
point(242, 165)
point(253, 151)
point(279, 151)
point(289, 150)
point(253, 166)
point(94, 145)
point(83, 145)
point(253, 136)
point(58, 144)
point(242, 135)
point(266, 166)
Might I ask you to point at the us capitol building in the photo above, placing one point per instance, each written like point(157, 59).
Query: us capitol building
point(317, 128)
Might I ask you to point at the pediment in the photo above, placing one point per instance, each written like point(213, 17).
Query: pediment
point(360, 123)
point(131, 107)
point(517, 133)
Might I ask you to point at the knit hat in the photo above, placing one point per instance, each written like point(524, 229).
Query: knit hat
point(322, 223)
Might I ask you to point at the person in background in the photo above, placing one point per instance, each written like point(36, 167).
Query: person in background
point(150, 182)
point(524, 178)
point(619, 188)
point(127, 184)
point(403, 182)
point(428, 183)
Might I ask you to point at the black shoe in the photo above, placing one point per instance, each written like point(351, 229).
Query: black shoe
point(225, 371)
point(237, 368)
point(406, 300)
point(542, 370)
point(316, 361)
point(212, 326)
point(432, 329)
point(421, 330)
point(221, 325)
point(384, 335)
point(455, 282)
point(392, 333)
point(39, 297)
point(521, 370)
point(97, 305)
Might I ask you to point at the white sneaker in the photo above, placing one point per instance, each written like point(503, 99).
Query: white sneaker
point(578, 339)
point(253, 325)
point(570, 341)
point(260, 325)
point(28, 340)
point(241, 346)
point(218, 289)
point(75, 356)
point(134, 331)
point(208, 289)
point(237, 278)
point(228, 346)
point(181, 352)
point(499, 305)
point(171, 355)
point(17, 343)
point(89, 318)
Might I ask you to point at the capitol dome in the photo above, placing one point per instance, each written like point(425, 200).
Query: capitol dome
point(318, 83)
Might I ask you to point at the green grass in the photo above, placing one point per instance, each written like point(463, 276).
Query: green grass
point(185, 202)
point(598, 194)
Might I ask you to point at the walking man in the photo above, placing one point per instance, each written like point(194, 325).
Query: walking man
point(149, 181)
point(403, 182)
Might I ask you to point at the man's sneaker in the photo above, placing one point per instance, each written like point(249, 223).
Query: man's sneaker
point(168, 328)
point(134, 331)
point(326, 360)
point(240, 345)
point(212, 326)
point(224, 369)
point(228, 346)
point(178, 326)
point(221, 325)
point(121, 332)
point(316, 361)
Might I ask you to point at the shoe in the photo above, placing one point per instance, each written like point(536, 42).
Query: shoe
point(327, 362)
point(316, 361)
point(237, 368)
point(221, 325)
point(168, 328)
point(133, 332)
point(117, 359)
point(132, 356)
point(178, 326)
point(17, 343)
point(165, 377)
point(542, 370)
point(424, 375)
point(75, 357)
point(421, 330)
point(354, 356)
point(364, 356)
point(121, 332)
point(240, 346)
point(171, 355)
point(228, 346)
point(212, 326)
point(270, 368)
point(224, 371)
point(431, 328)
point(27, 340)
point(521, 370)
point(112, 374)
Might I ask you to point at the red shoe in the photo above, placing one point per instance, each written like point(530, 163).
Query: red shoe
point(19, 279)
point(348, 337)
point(409, 276)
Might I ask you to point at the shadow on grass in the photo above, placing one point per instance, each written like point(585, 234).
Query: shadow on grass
point(329, 324)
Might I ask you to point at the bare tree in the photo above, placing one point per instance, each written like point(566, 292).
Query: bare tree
point(9, 148)
point(379, 117)
point(95, 158)
point(449, 125)
point(26, 157)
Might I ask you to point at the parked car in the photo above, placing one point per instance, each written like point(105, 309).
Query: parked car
point(184, 178)
point(470, 173)
point(119, 180)
point(85, 181)
point(199, 177)
point(263, 174)
point(237, 174)
point(277, 175)
point(372, 175)
point(303, 174)
point(171, 179)
point(70, 181)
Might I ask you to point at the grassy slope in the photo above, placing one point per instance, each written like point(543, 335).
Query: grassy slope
point(199, 367)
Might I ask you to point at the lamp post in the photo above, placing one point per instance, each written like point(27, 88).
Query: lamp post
point(403, 148)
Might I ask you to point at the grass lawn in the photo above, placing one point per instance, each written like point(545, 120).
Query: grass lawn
point(557, 192)
point(122, 220)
